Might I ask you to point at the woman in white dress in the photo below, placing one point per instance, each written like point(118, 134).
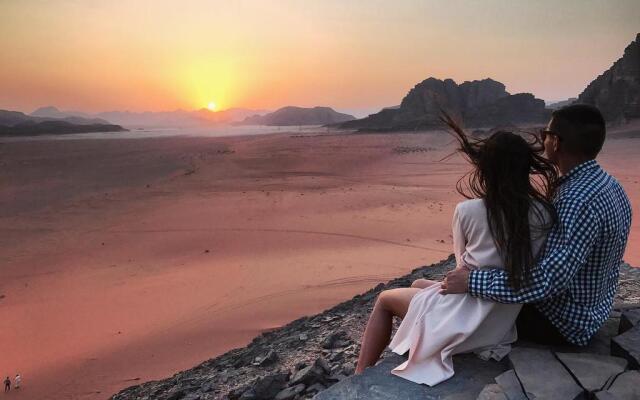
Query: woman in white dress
point(504, 223)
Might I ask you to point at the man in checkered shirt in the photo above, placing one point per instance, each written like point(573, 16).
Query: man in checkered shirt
point(570, 292)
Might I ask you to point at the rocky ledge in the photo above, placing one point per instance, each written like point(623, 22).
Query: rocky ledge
point(316, 356)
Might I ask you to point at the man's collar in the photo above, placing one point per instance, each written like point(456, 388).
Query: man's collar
point(579, 170)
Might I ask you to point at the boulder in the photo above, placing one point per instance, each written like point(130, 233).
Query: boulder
point(625, 387)
point(543, 376)
point(269, 386)
point(314, 373)
point(511, 386)
point(627, 346)
point(629, 319)
point(290, 392)
point(270, 358)
point(336, 339)
point(592, 371)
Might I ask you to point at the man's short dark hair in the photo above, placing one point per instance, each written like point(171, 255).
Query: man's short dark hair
point(581, 128)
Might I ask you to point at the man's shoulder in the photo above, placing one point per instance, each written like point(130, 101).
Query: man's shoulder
point(583, 190)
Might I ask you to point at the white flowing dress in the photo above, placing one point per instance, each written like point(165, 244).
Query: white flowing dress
point(438, 326)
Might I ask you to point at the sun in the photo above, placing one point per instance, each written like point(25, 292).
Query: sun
point(211, 106)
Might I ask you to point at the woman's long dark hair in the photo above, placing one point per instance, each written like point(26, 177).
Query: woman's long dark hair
point(511, 176)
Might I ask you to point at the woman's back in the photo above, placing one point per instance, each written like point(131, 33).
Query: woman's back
point(473, 243)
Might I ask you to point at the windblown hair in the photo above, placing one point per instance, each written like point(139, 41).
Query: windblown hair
point(514, 179)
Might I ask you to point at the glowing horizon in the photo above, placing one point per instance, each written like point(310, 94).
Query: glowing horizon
point(163, 55)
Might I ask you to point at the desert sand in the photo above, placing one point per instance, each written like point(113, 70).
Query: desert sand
point(127, 260)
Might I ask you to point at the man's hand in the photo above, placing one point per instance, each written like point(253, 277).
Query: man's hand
point(456, 281)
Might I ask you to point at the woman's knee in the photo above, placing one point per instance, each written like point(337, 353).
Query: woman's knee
point(422, 283)
point(395, 301)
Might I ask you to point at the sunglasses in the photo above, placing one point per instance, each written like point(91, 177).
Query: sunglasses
point(545, 132)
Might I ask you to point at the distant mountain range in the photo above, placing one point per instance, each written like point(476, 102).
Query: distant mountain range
point(483, 103)
point(15, 123)
point(560, 104)
point(286, 116)
point(296, 116)
point(177, 118)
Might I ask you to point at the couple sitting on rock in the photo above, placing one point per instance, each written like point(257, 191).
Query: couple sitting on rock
point(536, 250)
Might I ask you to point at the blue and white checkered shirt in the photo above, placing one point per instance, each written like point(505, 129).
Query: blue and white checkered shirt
point(576, 278)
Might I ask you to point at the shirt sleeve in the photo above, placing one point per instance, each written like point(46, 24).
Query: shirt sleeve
point(568, 247)
point(459, 237)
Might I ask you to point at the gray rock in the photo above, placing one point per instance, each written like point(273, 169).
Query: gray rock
point(249, 395)
point(207, 387)
point(322, 363)
point(348, 370)
point(315, 388)
point(290, 392)
point(269, 359)
point(592, 371)
point(377, 383)
point(177, 395)
point(511, 386)
point(629, 319)
point(492, 392)
point(604, 395)
point(627, 346)
point(270, 385)
point(542, 375)
point(625, 387)
point(308, 375)
point(336, 339)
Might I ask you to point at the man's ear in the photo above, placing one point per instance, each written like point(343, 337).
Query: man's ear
point(556, 144)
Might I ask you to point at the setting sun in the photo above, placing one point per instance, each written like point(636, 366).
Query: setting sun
point(211, 106)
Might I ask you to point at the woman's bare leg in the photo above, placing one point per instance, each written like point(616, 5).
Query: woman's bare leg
point(423, 283)
point(378, 331)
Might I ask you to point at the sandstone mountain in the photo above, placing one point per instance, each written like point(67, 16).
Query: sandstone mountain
point(617, 91)
point(294, 116)
point(15, 123)
point(477, 103)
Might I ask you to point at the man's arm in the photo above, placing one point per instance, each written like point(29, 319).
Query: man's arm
point(568, 247)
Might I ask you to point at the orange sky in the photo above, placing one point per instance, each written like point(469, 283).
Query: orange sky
point(351, 55)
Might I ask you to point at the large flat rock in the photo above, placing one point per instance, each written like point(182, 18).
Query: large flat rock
point(543, 376)
point(511, 386)
point(625, 387)
point(629, 319)
point(377, 383)
point(627, 346)
point(592, 371)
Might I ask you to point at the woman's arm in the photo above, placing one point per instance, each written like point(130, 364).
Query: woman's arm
point(459, 237)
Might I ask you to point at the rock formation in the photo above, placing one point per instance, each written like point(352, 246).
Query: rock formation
point(15, 123)
point(617, 91)
point(294, 116)
point(483, 103)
